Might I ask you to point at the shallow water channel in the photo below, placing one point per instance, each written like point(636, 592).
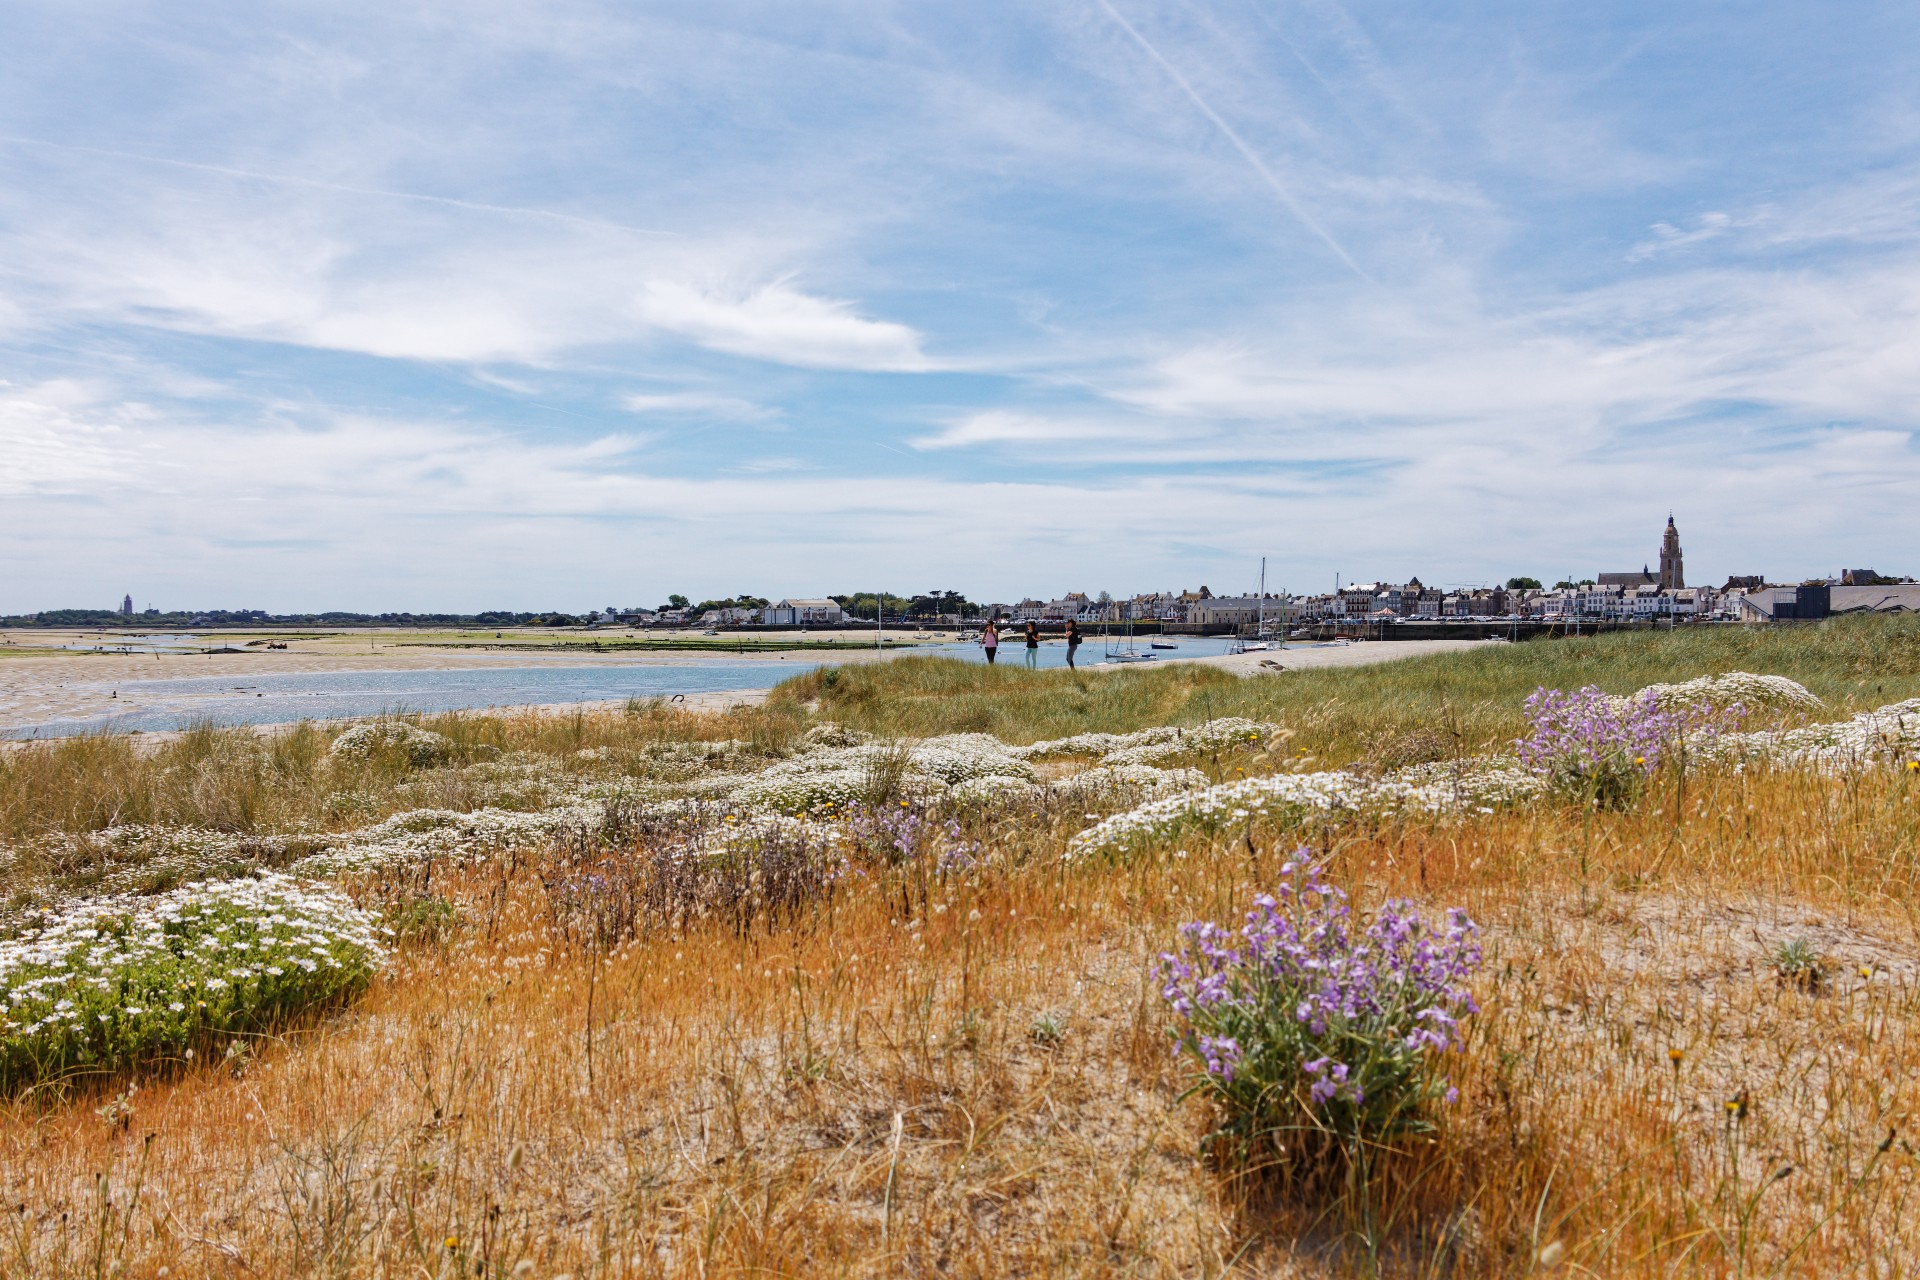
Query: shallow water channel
point(270, 698)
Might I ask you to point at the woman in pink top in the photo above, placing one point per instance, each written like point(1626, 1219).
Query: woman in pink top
point(990, 641)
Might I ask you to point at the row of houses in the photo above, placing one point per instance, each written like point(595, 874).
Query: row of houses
point(1162, 606)
point(1183, 608)
point(1742, 599)
point(1414, 600)
point(785, 613)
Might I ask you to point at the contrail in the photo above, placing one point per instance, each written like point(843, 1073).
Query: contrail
point(1252, 157)
point(316, 184)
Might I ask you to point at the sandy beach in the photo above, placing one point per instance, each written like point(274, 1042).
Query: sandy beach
point(1308, 657)
point(38, 688)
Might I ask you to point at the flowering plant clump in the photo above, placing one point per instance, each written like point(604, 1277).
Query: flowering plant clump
point(839, 776)
point(1161, 742)
point(1229, 733)
point(1131, 782)
point(806, 784)
point(1593, 745)
point(1294, 799)
point(1885, 735)
point(990, 789)
point(1733, 688)
point(1304, 1026)
point(904, 832)
point(663, 866)
point(518, 783)
point(136, 858)
point(373, 739)
point(1477, 784)
point(834, 735)
point(958, 757)
point(1096, 744)
point(112, 981)
point(437, 834)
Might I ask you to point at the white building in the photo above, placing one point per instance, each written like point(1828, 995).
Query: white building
point(805, 613)
point(1075, 605)
point(1237, 611)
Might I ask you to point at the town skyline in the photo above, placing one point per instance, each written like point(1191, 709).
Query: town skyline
point(283, 598)
point(1606, 594)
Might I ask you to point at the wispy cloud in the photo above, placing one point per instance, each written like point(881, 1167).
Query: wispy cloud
point(699, 404)
point(1001, 427)
point(779, 323)
point(1671, 239)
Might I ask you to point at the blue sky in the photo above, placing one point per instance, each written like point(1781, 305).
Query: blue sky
point(470, 305)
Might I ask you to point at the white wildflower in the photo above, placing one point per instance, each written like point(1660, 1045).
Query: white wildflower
point(1741, 687)
point(380, 737)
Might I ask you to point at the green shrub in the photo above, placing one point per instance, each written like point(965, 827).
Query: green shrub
point(112, 982)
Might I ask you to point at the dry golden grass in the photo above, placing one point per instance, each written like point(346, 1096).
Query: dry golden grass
point(240, 780)
point(974, 1079)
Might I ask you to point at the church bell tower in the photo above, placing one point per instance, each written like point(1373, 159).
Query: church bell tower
point(1672, 578)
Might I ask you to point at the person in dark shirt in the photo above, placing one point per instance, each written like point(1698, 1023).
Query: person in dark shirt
point(1033, 644)
point(1073, 640)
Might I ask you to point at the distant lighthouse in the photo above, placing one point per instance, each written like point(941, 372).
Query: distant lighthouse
point(126, 607)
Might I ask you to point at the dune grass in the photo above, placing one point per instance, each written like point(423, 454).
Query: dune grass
point(1399, 712)
point(246, 781)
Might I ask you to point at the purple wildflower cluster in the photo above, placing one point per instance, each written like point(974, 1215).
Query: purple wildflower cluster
point(1301, 1011)
point(1588, 731)
point(903, 832)
point(1596, 745)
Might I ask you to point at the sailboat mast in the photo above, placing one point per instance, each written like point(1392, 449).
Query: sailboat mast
point(1260, 626)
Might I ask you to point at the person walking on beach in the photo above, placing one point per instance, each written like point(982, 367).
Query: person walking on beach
point(990, 640)
point(1033, 645)
point(1073, 642)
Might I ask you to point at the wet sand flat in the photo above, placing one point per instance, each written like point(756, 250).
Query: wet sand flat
point(36, 690)
point(40, 689)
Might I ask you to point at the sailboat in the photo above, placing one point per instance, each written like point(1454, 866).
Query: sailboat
point(1264, 639)
point(1126, 650)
